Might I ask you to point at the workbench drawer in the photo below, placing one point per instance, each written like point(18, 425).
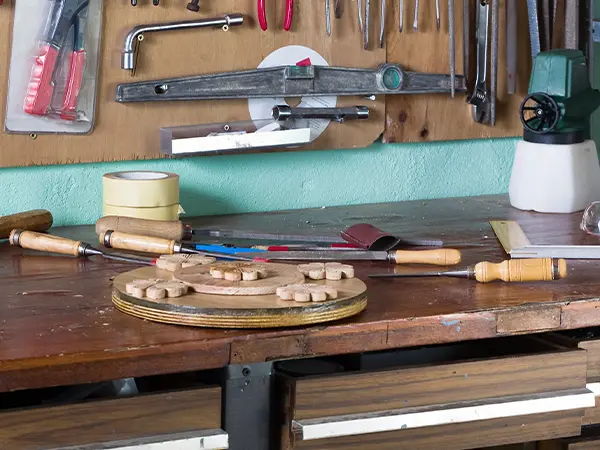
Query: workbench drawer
point(524, 389)
point(588, 340)
point(589, 440)
point(183, 420)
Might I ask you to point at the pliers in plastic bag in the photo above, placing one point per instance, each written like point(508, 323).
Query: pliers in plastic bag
point(289, 14)
point(65, 15)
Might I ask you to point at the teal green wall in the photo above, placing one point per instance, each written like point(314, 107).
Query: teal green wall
point(263, 182)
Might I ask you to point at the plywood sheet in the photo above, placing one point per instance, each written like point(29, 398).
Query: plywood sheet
point(439, 117)
point(126, 132)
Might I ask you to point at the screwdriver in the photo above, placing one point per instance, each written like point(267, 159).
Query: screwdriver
point(34, 220)
point(147, 244)
point(514, 270)
point(53, 244)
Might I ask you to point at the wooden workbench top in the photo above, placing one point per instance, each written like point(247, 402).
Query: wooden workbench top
point(58, 326)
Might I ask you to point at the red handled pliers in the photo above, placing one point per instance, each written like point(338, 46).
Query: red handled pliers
point(64, 16)
point(289, 14)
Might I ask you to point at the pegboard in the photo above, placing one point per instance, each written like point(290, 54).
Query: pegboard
point(440, 117)
point(131, 131)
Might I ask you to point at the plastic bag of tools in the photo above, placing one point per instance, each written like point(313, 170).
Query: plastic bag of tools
point(53, 70)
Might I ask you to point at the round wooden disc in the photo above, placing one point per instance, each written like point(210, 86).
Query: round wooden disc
point(226, 311)
point(200, 280)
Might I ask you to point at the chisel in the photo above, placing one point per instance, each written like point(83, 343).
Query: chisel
point(160, 246)
point(515, 270)
point(178, 231)
point(438, 257)
point(34, 220)
point(42, 242)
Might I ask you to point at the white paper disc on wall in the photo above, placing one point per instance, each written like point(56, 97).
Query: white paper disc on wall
point(260, 108)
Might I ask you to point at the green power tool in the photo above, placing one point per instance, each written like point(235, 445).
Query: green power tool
point(561, 99)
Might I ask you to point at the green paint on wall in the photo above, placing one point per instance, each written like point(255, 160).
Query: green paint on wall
point(275, 181)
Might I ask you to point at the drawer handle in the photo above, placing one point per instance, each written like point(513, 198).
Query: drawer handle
point(432, 415)
point(190, 440)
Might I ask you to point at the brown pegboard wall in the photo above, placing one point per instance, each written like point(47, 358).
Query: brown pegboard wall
point(131, 131)
point(439, 117)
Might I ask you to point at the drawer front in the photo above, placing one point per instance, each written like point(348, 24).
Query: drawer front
point(184, 419)
point(460, 395)
point(460, 436)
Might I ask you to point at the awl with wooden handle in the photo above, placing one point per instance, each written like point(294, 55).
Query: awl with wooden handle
point(439, 257)
point(34, 220)
point(155, 245)
point(53, 244)
point(515, 270)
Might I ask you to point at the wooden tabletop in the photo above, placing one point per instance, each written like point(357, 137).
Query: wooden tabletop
point(58, 326)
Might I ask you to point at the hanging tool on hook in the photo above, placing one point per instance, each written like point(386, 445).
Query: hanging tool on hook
point(511, 46)
point(416, 19)
point(494, 60)
point(400, 15)
point(328, 17)
point(136, 34)
point(451, 41)
point(262, 15)
point(359, 7)
point(367, 22)
point(437, 14)
point(338, 9)
point(480, 97)
point(466, 37)
point(65, 15)
point(382, 24)
point(289, 81)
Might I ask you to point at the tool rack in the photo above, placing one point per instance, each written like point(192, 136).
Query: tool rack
point(126, 132)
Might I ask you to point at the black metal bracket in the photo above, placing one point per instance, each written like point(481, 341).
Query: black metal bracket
point(247, 410)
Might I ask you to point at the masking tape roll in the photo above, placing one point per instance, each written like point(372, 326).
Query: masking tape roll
point(140, 189)
point(158, 213)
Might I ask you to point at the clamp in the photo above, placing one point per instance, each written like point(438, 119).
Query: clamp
point(289, 14)
point(64, 16)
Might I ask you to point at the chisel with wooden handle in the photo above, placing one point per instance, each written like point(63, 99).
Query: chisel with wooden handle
point(34, 220)
point(179, 231)
point(155, 245)
point(438, 257)
point(54, 244)
point(515, 270)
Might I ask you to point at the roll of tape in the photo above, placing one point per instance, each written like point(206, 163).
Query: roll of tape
point(140, 189)
point(158, 213)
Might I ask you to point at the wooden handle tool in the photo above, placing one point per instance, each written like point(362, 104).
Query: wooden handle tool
point(514, 270)
point(166, 229)
point(438, 257)
point(134, 242)
point(54, 244)
point(34, 220)
point(45, 242)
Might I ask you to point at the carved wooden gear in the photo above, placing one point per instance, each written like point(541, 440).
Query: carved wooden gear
point(178, 261)
point(307, 292)
point(156, 288)
point(329, 271)
point(238, 271)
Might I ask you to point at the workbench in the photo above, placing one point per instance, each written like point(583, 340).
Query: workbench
point(58, 327)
